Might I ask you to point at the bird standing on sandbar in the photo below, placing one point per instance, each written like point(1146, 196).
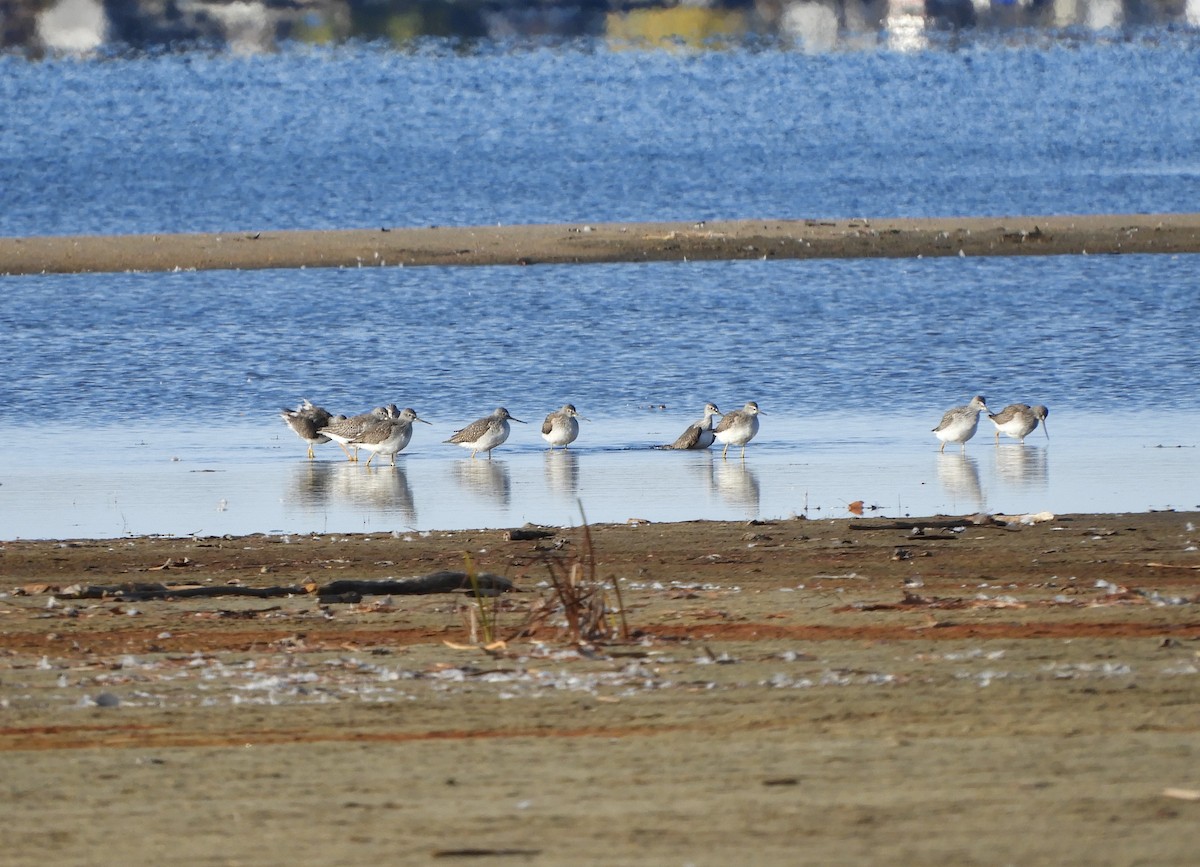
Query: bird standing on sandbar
point(306, 422)
point(345, 430)
point(958, 424)
point(700, 434)
point(388, 436)
point(738, 427)
point(484, 434)
point(1019, 420)
point(561, 428)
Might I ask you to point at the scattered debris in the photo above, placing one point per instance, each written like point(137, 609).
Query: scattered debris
point(1026, 520)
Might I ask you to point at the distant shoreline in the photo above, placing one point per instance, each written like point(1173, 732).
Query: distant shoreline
point(582, 243)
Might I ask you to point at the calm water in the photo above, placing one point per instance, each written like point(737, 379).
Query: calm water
point(147, 403)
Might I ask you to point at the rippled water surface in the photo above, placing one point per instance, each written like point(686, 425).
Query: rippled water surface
point(147, 403)
point(802, 337)
point(365, 137)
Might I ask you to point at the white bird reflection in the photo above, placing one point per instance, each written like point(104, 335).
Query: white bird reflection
point(700, 466)
point(384, 488)
point(310, 484)
point(959, 477)
point(487, 479)
point(561, 467)
point(738, 486)
point(1024, 467)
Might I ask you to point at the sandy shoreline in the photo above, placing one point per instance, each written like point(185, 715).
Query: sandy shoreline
point(812, 691)
point(607, 242)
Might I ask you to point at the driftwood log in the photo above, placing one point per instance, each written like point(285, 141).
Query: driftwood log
point(446, 581)
point(950, 524)
point(523, 534)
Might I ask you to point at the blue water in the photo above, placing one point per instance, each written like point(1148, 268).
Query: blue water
point(360, 136)
point(147, 403)
point(801, 337)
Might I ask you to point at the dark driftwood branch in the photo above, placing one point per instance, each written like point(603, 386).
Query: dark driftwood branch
point(926, 525)
point(139, 591)
point(523, 534)
point(446, 581)
point(337, 591)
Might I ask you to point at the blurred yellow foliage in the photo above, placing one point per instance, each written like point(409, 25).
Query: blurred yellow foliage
point(686, 25)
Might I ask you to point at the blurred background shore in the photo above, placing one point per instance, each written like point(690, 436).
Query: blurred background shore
point(39, 27)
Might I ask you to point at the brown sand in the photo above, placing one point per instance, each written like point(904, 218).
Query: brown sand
point(799, 692)
point(611, 242)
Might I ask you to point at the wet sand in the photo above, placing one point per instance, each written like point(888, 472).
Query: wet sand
point(808, 691)
point(607, 242)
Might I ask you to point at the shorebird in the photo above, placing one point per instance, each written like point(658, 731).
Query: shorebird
point(344, 431)
point(306, 421)
point(958, 424)
point(562, 428)
point(484, 434)
point(738, 427)
point(699, 435)
point(387, 436)
point(1019, 420)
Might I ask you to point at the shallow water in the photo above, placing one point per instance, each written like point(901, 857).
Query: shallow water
point(255, 477)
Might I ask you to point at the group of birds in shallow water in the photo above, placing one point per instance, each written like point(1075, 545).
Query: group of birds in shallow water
point(386, 430)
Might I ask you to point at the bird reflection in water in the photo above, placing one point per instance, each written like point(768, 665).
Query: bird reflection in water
point(311, 483)
point(738, 486)
point(700, 465)
point(488, 479)
point(959, 476)
point(1024, 467)
point(562, 472)
point(385, 488)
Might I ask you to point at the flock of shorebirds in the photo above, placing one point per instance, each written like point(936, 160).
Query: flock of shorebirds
point(386, 430)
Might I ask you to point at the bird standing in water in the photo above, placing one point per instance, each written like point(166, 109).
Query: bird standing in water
point(738, 427)
point(1019, 420)
point(561, 428)
point(344, 430)
point(700, 434)
point(306, 422)
point(388, 436)
point(484, 434)
point(958, 424)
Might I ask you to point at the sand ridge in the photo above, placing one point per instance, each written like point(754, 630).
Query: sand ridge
point(606, 242)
